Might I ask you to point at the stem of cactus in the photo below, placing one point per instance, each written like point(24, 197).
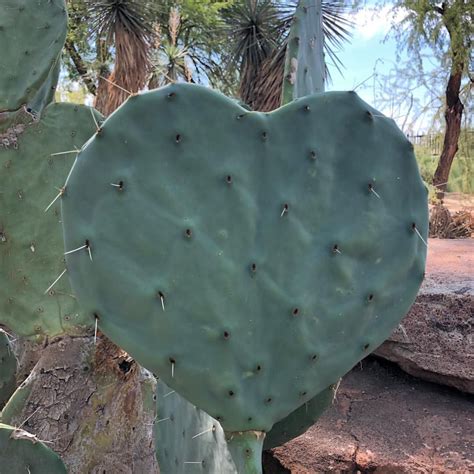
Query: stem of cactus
point(304, 62)
point(246, 450)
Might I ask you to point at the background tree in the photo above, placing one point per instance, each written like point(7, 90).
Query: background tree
point(109, 36)
point(446, 28)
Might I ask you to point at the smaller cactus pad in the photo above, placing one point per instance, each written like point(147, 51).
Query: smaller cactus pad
point(22, 452)
point(187, 438)
point(31, 242)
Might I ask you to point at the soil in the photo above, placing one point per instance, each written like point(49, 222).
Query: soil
point(459, 202)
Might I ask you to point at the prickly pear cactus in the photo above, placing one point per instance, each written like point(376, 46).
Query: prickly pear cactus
point(187, 437)
point(21, 451)
point(304, 61)
point(31, 244)
point(282, 248)
point(8, 366)
point(32, 34)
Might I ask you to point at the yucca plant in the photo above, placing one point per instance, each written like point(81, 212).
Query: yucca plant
point(127, 27)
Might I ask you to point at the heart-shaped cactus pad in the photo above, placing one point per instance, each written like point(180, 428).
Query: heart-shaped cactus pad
point(248, 259)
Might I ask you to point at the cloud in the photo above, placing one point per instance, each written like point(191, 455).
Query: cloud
point(371, 21)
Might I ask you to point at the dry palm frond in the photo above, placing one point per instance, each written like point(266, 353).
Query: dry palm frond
point(440, 220)
point(462, 225)
point(266, 94)
point(174, 23)
point(443, 225)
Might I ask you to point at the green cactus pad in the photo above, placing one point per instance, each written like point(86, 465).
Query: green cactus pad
point(187, 437)
point(304, 60)
point(8, 366)
point(32, 34)
point(248, 259)
point(31, 243)
point(22, 452)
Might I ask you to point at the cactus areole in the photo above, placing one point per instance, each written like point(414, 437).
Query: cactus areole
point(248, 259)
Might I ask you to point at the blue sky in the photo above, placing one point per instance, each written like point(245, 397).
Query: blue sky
point(366, 50)
point(373, 50)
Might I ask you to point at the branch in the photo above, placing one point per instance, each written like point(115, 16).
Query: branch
point(80, 66)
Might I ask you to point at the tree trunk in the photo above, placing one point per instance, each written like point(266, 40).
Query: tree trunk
point(90, 401)
point(80, 66)
point(453, 116)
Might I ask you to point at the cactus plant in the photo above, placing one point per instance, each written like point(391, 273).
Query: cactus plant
point(304, 60)
point(32, 34)
point(21, 451)
point(170, 445)
point(31, 239)
point(31, 133)
point(187, 436)
point(8, 366)
point(235, 232)
point(254, 250)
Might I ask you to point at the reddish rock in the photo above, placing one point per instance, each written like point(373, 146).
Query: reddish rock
point(436, 339)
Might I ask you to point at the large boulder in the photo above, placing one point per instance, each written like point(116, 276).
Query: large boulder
point(435, 340)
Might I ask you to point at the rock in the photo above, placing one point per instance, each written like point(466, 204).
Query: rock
point(384, 421)
point(435, 340)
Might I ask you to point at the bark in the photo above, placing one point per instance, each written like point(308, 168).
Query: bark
point(101, 97)
point(454, 106)
point(80, 66)
point(453, 117)
point(91, 402)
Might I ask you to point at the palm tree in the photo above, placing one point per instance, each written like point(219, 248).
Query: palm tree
point(259, 30)
point(127, 27)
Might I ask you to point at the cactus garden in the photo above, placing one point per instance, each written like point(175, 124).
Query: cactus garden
point(184, 280)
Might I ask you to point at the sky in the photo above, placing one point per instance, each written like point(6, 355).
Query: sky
point(372, 53)
point(368, 48)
